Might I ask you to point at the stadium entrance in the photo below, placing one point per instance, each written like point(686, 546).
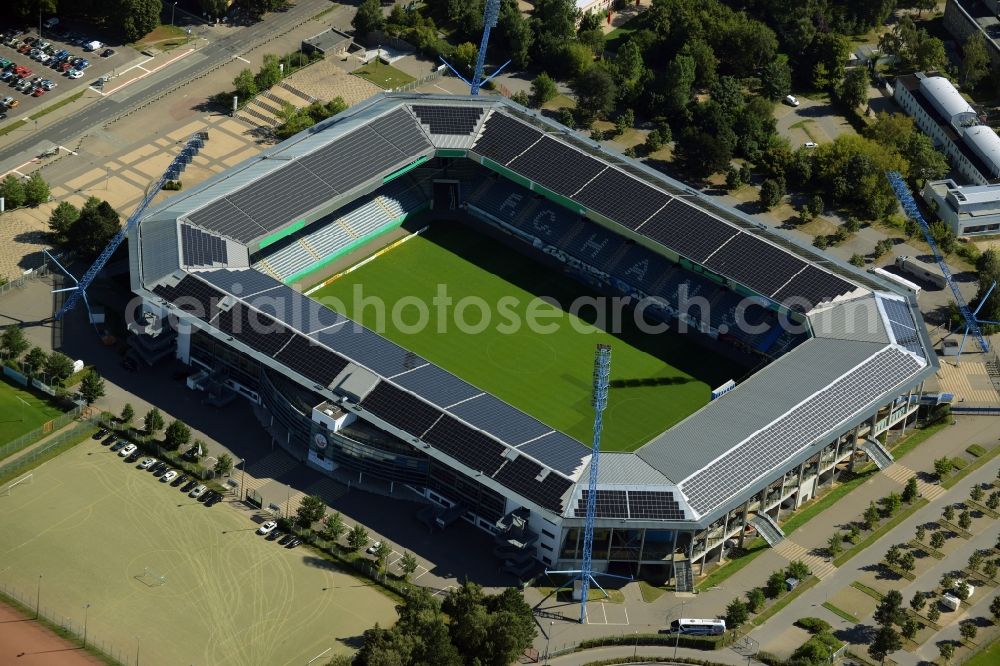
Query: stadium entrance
point(446, 195)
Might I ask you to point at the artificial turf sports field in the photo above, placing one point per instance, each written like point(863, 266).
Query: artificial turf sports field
point(21, 412)
point(657, 379)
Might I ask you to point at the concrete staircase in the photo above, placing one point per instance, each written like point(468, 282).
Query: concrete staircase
point(683, 576)
point(883, 459)
point(768, 529)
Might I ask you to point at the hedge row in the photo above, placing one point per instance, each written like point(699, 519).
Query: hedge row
point(664, 639)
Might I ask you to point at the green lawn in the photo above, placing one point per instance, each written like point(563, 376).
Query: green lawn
point(545, 370)
point(384, 76)
point(988, 656)
point(21, 412)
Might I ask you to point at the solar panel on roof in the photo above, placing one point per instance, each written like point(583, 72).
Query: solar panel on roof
point(496, 417)
point(755, 263)
point(454, 120)
point(687, 230)
point(281, 196)
point(437, 385)
point(311, 360)
point(557, 166)
point(223, 217)
point(470, 447)
point(403, 410)
point(814, 286)
point(504, 138)
point(609, 504)
point(627, 201)
point(400, 129)
point(654, 505)
point(353, 159)
point(520, 475)
point(558, 451)
point(797, 429)
point(370, 349)
point(254, 329)
point(242, 283)
point(193, 296)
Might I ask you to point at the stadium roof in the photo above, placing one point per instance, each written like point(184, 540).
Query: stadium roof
point(866, 341)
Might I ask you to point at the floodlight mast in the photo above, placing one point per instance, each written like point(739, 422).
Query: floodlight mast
point(490, 17)
point(191, 148)
point(913, 212)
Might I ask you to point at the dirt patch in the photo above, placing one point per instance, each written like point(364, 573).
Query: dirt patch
point(24, 642)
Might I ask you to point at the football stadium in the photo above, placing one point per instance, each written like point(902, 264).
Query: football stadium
point(413, 290)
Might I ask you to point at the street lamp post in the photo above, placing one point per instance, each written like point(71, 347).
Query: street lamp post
point(38, 595)
point(173, 8)
point(635, 648)
point(677, 639)
point(243, 480)
point(86, 612)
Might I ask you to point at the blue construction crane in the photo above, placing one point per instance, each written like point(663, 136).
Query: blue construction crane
point(913, 212)
point(173, 172)
point(602, 375)
point(490, 17)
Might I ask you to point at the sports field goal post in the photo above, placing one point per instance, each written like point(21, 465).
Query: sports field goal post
point(151, 578)
point(24, 480)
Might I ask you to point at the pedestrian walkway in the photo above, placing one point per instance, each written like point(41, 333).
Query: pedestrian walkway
point(901, 474)
point(969, 382)
point(821, 567)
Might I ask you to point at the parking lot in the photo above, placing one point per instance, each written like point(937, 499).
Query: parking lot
point(16, 48)
point(152, 564)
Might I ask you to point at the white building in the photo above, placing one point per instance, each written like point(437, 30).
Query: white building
point(595, 6)
point(945, 116)
point(968, 211)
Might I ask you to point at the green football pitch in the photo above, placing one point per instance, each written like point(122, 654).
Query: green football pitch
point(656, 379)
point(21, 412)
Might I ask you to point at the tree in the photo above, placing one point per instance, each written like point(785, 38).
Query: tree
point(892, 503)
point(995, 608)
point(357, 538)
point(58, 367)
point(515, 34)
point(918, 602)
point(990, 569)
point(921, 532)
point(755, 599)
point(153, 421)
point(736, 614)
point(968, 630)
point(128, 413)
point(137, 18)
point(311, 509)
point(543, 89)
point(892, 555)
point(36, 190)
point(334, 527)
point(933, 614)
point(871, 516)
point(908, 561)
point(13, 342)
point(12, 190)
point(595, 93)
point(993, 501)
point(890, 609)
point(910, 491)
point(853, 90)
point(408, 564)
point(835, 544)
point(368, 19)
point(975, 560)
point(245, 84)
point(553, 23)
point(97, 224)
point(91, 387)
point(798, 569)
point(947, 581)
point(269, 73)
point(213, 8)
point(885, 642)
point(61, 220)
point(776, 78)
point(223, 465)
point(775, 584)
point(382, 553)
point(33, 361)
point(703, 153)
point(943, 466)
point(976, 493)
point(176, 435)
point(625, 121)
point(949, 512)
point(464, 57)
point(965, 520)
point(858, 260)
point(909, 628)
point(677, 84)
point(947, 650)
point(975, 61)
point(770, 194)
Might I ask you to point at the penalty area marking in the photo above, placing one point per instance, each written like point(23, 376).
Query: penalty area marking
point(23, 400)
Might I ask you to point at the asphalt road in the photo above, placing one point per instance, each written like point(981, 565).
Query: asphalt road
point(219, 50)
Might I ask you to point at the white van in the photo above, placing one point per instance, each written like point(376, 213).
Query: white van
point(950, 601)
point(92, 46)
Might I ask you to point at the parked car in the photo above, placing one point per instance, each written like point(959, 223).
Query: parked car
point(48, 84)
point(147, 463)
point(51, 22)
point(132, 457)
point(189, 485)
point(293, 543)
point(76, 74)
point(160, 469)
point(109, 439)
point(107, 53)
point(128, 450)
point(169, 476)
point(275, 535)
point(791, 100)
point(7, 75)
point(809, 144)
point(92, 46)
point(3, 63)
point(267, 527)
point(180, 480)
point(119, 445)
point(22, 72)
point(39, 91)
point(23, 86)
point(103, 432)
point(286, 538)
point(198, 491)
point(372, 548)
point(214, 499)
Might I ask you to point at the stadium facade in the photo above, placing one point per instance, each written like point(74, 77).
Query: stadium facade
point(213, 268)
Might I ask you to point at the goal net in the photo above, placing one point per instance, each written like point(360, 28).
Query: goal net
point(152, 578)
point(24, 480)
